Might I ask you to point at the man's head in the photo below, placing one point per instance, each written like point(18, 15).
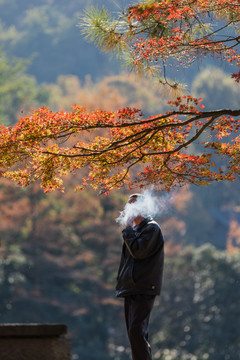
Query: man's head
point(134, 211)
point(136, 217)
point(135, 197)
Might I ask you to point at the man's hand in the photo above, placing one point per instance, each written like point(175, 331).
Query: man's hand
point(130, 221)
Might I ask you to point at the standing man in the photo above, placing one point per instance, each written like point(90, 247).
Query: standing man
point(139, 277)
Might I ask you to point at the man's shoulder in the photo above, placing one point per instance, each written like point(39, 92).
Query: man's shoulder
point(153, 223)
point(153, 226)
point(150, 226)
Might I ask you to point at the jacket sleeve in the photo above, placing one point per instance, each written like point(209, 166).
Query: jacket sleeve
point(144, 245)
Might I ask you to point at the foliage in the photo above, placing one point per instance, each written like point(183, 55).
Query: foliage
point(193, 307)
point(216, 88)
point(59, 266)
point(111, 143)
point(109, 93)
point(157, 142)
point(152, 33)
point(210, 213)
point(196, 316)
point(19, 92)
point(46, 31)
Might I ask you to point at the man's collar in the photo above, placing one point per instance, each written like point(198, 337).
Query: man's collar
point(142, 223)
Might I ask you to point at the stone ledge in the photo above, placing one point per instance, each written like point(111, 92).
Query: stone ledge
point(34, 342)
point(32, 330)
point(53, 348)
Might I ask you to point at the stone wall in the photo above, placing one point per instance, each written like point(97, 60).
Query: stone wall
point(34, 342)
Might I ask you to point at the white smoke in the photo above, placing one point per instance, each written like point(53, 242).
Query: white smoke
point(148, 204)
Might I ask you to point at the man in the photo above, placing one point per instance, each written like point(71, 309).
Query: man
point(139, 277)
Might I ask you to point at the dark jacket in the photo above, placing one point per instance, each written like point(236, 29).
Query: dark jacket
point(141, 265)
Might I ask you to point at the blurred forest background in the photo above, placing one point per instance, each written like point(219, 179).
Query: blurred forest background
point(59, 252)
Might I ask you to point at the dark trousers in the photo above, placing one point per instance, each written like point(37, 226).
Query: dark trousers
point(137, 313)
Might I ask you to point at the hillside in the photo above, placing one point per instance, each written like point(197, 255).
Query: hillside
point(47, 33)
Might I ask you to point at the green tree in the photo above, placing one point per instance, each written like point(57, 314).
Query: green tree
point(198, 313)
point(216, 87)
point(46, 31)
point(19, 92)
